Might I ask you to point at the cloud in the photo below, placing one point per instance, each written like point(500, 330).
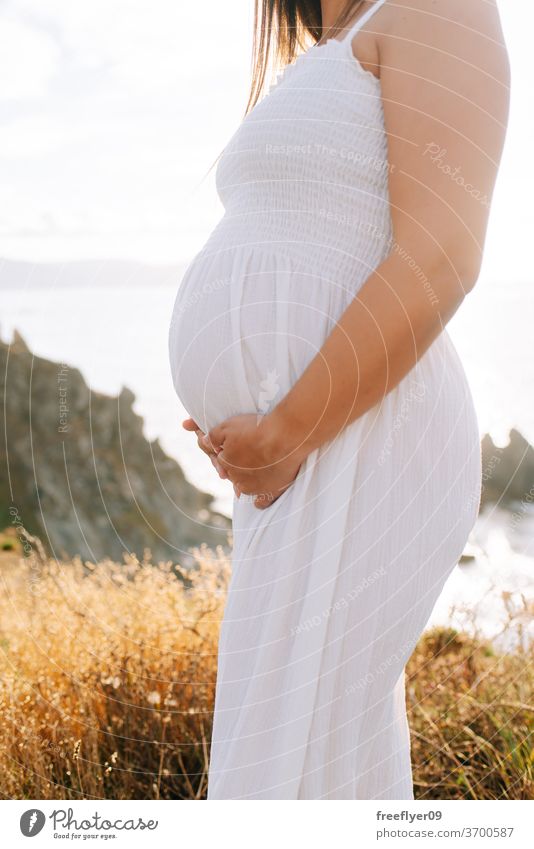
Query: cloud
point(115, 114)
point(147, 45)
point(28, 61)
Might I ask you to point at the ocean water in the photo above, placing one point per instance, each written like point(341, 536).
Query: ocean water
point(117, 336)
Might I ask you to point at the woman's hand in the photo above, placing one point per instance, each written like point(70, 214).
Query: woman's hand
point(191, 425)
point(248, 450)
point(255, 457)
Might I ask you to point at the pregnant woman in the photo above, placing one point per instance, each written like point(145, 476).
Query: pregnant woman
point(308, 346)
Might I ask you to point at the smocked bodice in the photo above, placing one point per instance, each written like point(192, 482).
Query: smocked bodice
point(306, 171)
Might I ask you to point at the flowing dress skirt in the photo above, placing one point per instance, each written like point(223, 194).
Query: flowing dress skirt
point(333, 584)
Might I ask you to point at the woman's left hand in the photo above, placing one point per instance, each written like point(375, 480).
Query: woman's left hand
point(191, 425)
point(253, 457)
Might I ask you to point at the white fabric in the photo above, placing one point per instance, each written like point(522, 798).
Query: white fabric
point(332, 585)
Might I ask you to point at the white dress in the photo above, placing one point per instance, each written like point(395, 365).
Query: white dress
point(333, 584)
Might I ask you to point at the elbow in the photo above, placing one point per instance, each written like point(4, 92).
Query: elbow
point(453, 263)
point(464, 268)
point(452, 278)
point(468, 278)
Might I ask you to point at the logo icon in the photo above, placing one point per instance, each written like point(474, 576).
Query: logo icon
point(269, 389)
point(32, 822)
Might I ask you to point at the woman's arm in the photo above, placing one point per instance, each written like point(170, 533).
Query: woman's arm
point(445, 92)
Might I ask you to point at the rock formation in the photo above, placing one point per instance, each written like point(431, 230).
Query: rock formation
point(78, 472)
point(507, 473)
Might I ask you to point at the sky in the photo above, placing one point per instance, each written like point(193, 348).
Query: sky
point(112, 113)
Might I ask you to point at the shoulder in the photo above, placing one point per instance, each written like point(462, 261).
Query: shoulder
point(444, 23)
point(438, 15)
point(445, 37)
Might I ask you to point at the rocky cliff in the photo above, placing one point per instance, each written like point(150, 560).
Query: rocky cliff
point(508, 472)
point(78, 471)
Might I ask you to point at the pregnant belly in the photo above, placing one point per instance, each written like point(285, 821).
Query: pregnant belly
point(245, 324)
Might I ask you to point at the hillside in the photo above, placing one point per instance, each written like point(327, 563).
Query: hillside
point(78, 472)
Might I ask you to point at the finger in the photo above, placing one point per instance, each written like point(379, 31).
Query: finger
point(215, 438)
point(235, 474)
point(192, 427)
point(221, 459)
point(207, 449)
point(221, 472)
point(201, 444)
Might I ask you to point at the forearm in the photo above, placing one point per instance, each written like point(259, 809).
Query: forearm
point(375, 344)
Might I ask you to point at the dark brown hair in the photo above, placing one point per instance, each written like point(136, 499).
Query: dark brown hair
point(281, 30)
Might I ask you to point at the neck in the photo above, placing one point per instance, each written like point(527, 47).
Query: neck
point(332, 9)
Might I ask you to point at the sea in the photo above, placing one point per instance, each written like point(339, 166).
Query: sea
point(116, 334)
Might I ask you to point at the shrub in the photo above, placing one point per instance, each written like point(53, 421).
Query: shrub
point(108, 678)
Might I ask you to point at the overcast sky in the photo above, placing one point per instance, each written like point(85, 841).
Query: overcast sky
point(113, 111)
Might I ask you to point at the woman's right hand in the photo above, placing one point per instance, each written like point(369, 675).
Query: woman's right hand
point(191, 425)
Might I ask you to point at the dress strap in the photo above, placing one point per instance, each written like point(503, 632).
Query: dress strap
point(363, 20)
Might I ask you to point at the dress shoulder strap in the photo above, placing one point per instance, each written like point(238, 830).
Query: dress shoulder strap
point(363, 20)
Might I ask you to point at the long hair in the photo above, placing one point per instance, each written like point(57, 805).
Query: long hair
point(281, 29)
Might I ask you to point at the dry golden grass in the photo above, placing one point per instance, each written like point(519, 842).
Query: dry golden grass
point(471, 713)
point(107, 686)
